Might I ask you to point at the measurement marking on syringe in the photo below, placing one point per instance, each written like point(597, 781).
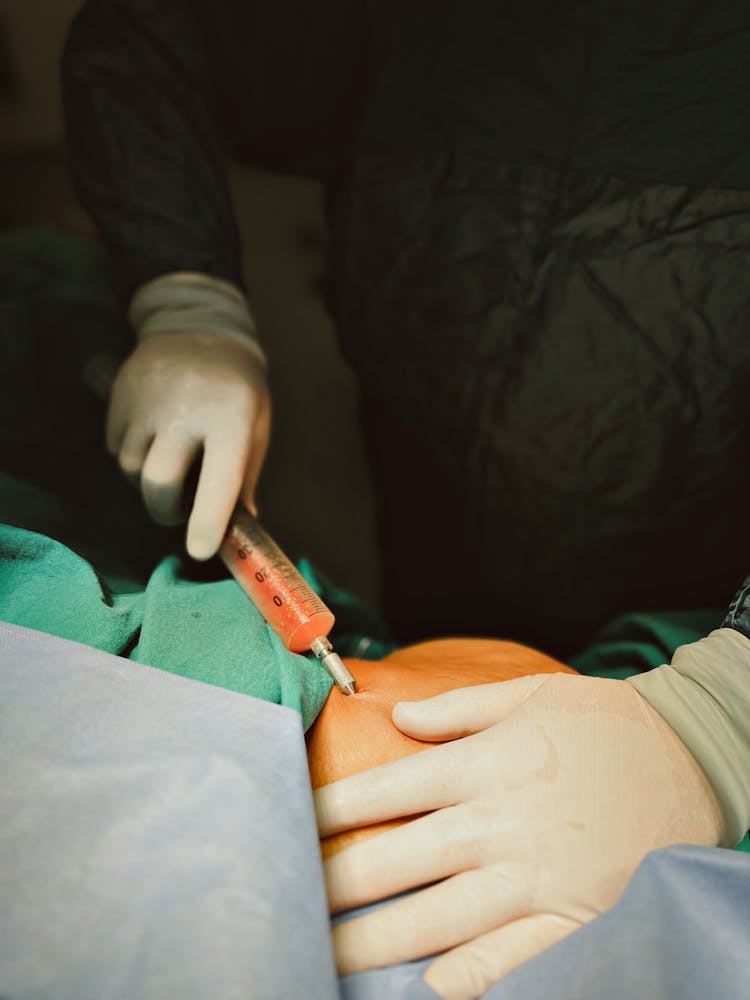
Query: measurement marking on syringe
point(281, 594)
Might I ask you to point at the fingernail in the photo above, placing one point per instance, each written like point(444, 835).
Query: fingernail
point(410, 707)
point(199, 549)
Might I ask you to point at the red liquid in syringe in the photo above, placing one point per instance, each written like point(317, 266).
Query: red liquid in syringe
point(274, 585)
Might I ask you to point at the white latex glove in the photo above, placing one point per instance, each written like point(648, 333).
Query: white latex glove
point(180, 394)
point(540, 818)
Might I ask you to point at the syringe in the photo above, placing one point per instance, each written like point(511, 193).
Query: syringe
point(274, 585)
point(277, 589)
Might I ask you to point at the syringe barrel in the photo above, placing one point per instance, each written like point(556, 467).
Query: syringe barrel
point(274, 585)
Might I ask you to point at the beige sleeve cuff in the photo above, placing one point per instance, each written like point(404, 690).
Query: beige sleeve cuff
point(189, 302)
point(704, 695)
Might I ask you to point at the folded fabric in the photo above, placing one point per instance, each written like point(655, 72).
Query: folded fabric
point(157, 838)
point(678, 932)
point(636, 642)
point(213, 633)
point(208, 631)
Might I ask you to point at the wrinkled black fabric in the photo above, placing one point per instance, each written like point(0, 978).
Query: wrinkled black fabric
point(540, 249)
point(738, 615)
point(584, 381)
point(157, 91)
point(564, 326)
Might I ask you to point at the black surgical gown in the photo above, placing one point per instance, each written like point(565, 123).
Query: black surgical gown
point(539, 268)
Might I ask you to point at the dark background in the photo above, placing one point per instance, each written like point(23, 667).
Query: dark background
point(316, 450)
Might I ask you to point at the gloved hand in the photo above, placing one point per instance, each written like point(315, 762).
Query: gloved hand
point(550, 794)
point(180, 394)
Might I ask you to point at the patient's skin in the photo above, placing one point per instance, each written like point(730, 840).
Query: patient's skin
point(354, 733)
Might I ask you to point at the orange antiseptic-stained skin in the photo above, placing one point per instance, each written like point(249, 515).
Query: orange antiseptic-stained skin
point(354, 733)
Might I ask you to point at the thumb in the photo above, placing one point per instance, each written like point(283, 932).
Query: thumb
point(463, 711)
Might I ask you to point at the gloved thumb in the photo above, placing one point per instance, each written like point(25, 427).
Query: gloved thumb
point(464, 711)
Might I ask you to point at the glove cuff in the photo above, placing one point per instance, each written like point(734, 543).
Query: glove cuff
point(190, 302)
point(704, 695)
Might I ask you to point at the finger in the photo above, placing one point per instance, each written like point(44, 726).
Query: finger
point(429, 780)
point(258, 450)
point(133, 450)
point(398, 859)
point(468, 971)
point(222, 471)
point(430, 921)
point(164, 472)
point(117, 422)
point(464, 711)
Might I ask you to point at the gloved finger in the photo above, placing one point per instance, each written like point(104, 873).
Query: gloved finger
point(258, 450)
point(222, 471)
point(164, 472)
point(433, 779)
point(469, 970)
point(399, 859)
point(430, 921)
point(463, 711)
point(118, 417)
point(133, 451)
